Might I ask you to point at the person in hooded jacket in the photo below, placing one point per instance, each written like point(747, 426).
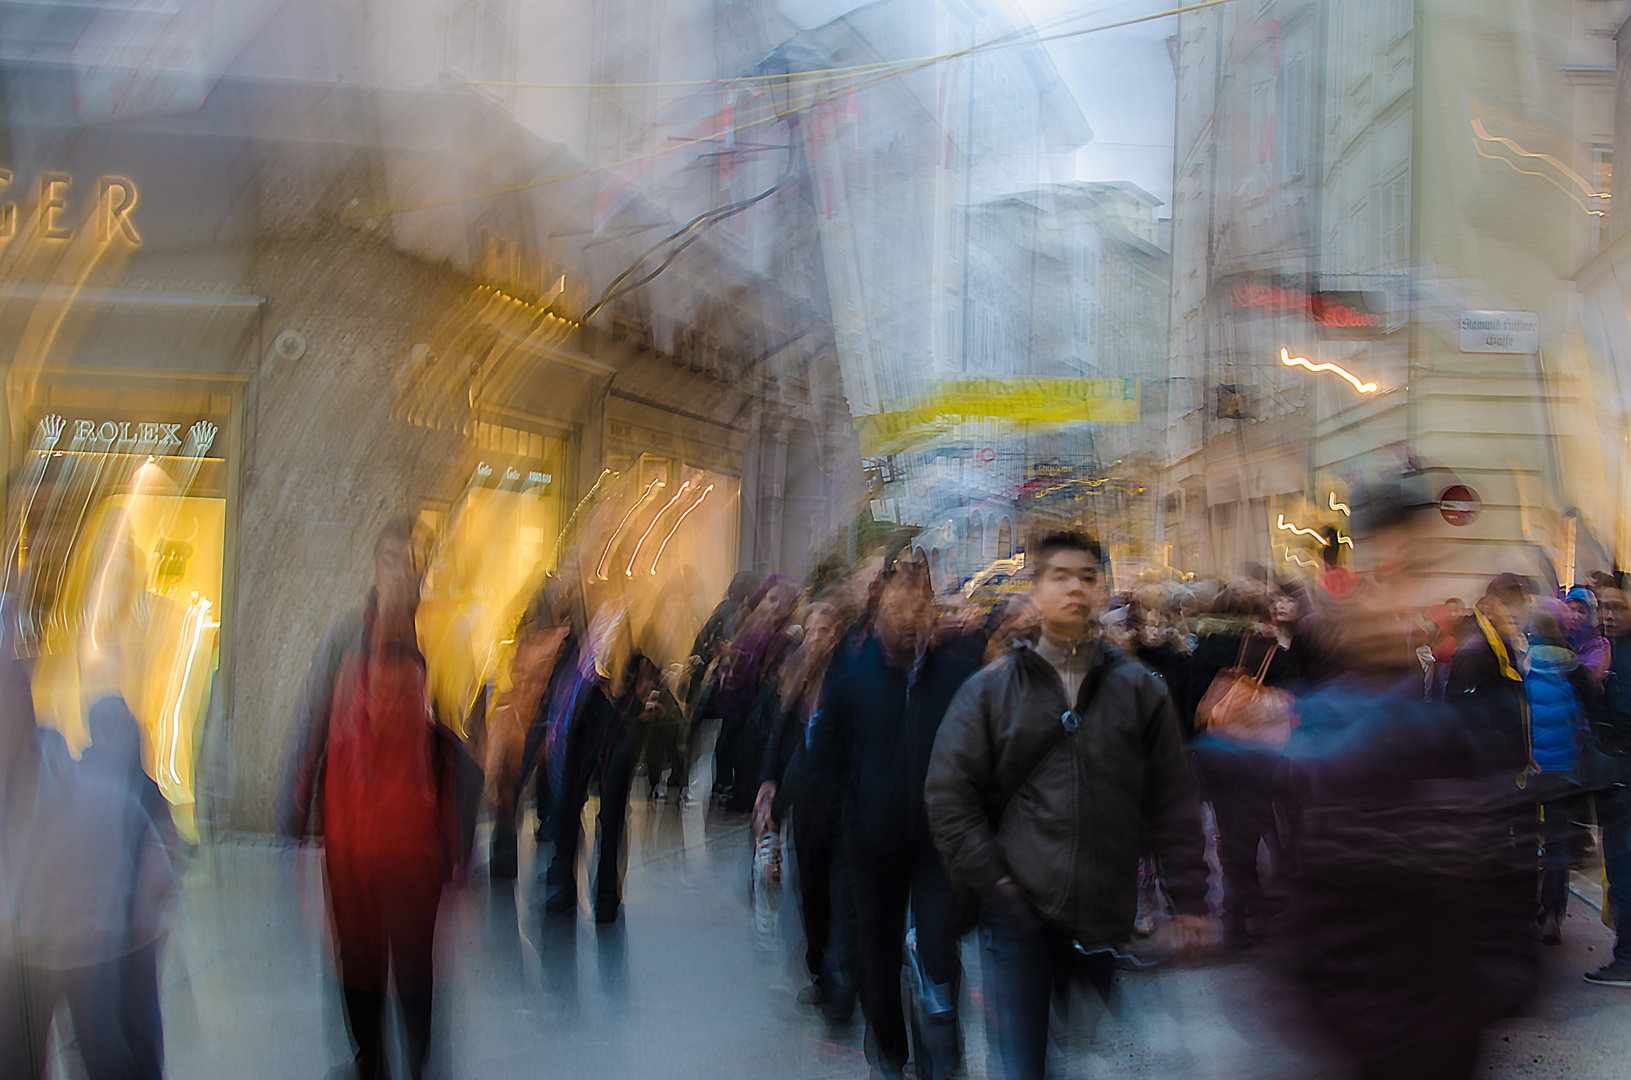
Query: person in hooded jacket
point(1559, 689)
point(1584, 633)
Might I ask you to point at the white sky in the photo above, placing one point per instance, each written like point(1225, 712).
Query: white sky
point(1122, 80)
point(1123, 83)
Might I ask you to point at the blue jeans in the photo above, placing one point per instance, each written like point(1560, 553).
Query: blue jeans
point(1614, 815)
point(1028, 965)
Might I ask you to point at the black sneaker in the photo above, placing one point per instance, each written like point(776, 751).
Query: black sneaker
point(1616, 974)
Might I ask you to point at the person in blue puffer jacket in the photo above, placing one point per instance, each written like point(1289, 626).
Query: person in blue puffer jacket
point(1558, 688)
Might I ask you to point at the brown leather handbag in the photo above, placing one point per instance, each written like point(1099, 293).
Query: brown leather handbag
point(1239, 708)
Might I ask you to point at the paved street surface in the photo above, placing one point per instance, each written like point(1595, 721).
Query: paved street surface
point(682, 989)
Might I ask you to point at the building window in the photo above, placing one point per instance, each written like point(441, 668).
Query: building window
point(1362, 59)
point(1396, 221)
point(1295, 138)
point(1263, 121)
point(1401, 19)
point(478, 39)
point(1602, 180)
point(1358, 238)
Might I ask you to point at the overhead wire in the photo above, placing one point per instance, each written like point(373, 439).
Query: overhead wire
point(890, 69)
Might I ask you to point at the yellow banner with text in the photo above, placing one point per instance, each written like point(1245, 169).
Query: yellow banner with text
point(1020, 399)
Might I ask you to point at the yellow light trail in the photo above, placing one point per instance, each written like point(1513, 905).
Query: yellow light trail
point(664, 545)
point(667, 506)
point(1302, 361)
point(1289, 527)
point(556, 558)
point(1292, 556)
point(198, 614)
point(142, 476)
point(1339, 506)
point(1344, 540)
point(1509, 144)
point(600, 568)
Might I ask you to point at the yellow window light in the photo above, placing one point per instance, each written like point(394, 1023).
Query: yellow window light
point(687, 513)
point(1302, 361)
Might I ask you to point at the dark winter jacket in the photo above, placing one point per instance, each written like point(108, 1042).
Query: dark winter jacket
point(1171, 663)
point(1071, 836)
point(870, 742)
point(1611, 722)
point(1486, 687)
point(1410, 882)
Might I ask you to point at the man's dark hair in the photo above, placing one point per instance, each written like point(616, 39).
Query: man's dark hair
point(1056, 542)
point(1245, 601)
point(743, 585)
point(1509, 586)
point(909, 566)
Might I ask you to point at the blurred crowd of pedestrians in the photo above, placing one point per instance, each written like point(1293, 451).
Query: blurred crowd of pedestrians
point(1379, 795)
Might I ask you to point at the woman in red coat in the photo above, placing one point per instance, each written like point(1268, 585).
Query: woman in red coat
point(366, 739)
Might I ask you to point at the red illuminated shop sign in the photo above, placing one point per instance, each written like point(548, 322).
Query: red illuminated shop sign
point(1338, 314)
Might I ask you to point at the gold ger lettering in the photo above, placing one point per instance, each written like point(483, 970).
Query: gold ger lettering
point(115, 199)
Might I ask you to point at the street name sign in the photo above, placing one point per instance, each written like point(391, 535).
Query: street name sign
point(1515, 332)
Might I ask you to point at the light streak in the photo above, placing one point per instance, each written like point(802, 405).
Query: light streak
point(1339, 506)
point(555, 559)
point(198, 615)
point(632, 558)
point(1302, 361)
point(664, 545)
point(1579, 181)
point(114, 533)
point(1344, 540)
point(1289, 527)
point(600, 568)
point(1292, 556)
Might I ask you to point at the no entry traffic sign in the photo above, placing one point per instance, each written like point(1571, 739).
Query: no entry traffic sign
point(1459, 504)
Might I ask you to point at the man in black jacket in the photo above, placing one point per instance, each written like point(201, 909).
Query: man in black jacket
point(1486, 680)
point(1056, 770)
point(1614, 803)
point(870, 742)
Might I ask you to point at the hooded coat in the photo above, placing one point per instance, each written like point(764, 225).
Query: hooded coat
point(1556, 713)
